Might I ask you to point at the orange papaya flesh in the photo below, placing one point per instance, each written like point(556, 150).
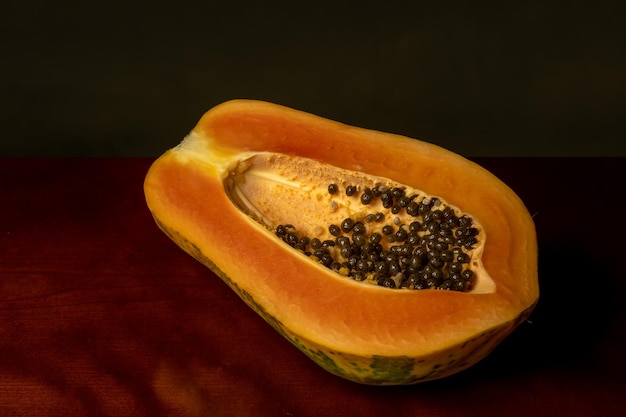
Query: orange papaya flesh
point(361, 332)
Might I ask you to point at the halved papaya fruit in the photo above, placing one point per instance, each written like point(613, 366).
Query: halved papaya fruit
point(385, 259)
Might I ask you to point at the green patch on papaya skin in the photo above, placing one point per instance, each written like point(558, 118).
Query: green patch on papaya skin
point(398, 368)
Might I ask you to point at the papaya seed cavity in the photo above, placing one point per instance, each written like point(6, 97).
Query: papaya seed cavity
point(366, 228)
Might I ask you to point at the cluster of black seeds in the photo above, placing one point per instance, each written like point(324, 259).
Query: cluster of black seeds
point(428, 252)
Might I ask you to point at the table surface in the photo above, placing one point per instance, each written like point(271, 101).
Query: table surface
point(102, 315)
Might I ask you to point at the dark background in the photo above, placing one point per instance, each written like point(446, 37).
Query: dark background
point(121, 78)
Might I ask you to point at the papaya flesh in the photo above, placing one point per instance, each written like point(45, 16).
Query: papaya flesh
point(250, 168)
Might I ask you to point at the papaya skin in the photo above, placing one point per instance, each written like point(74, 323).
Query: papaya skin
point(363, 333)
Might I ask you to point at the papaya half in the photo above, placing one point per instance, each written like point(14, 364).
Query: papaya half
point(385, 259)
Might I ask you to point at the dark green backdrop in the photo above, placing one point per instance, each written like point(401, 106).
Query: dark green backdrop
point(131, 78)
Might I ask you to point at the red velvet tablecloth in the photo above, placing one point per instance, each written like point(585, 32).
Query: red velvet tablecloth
point(101, 315)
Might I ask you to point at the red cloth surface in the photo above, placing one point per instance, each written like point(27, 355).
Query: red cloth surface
point(101, 315)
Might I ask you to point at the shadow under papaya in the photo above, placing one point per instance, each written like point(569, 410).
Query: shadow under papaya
point(577, 309)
